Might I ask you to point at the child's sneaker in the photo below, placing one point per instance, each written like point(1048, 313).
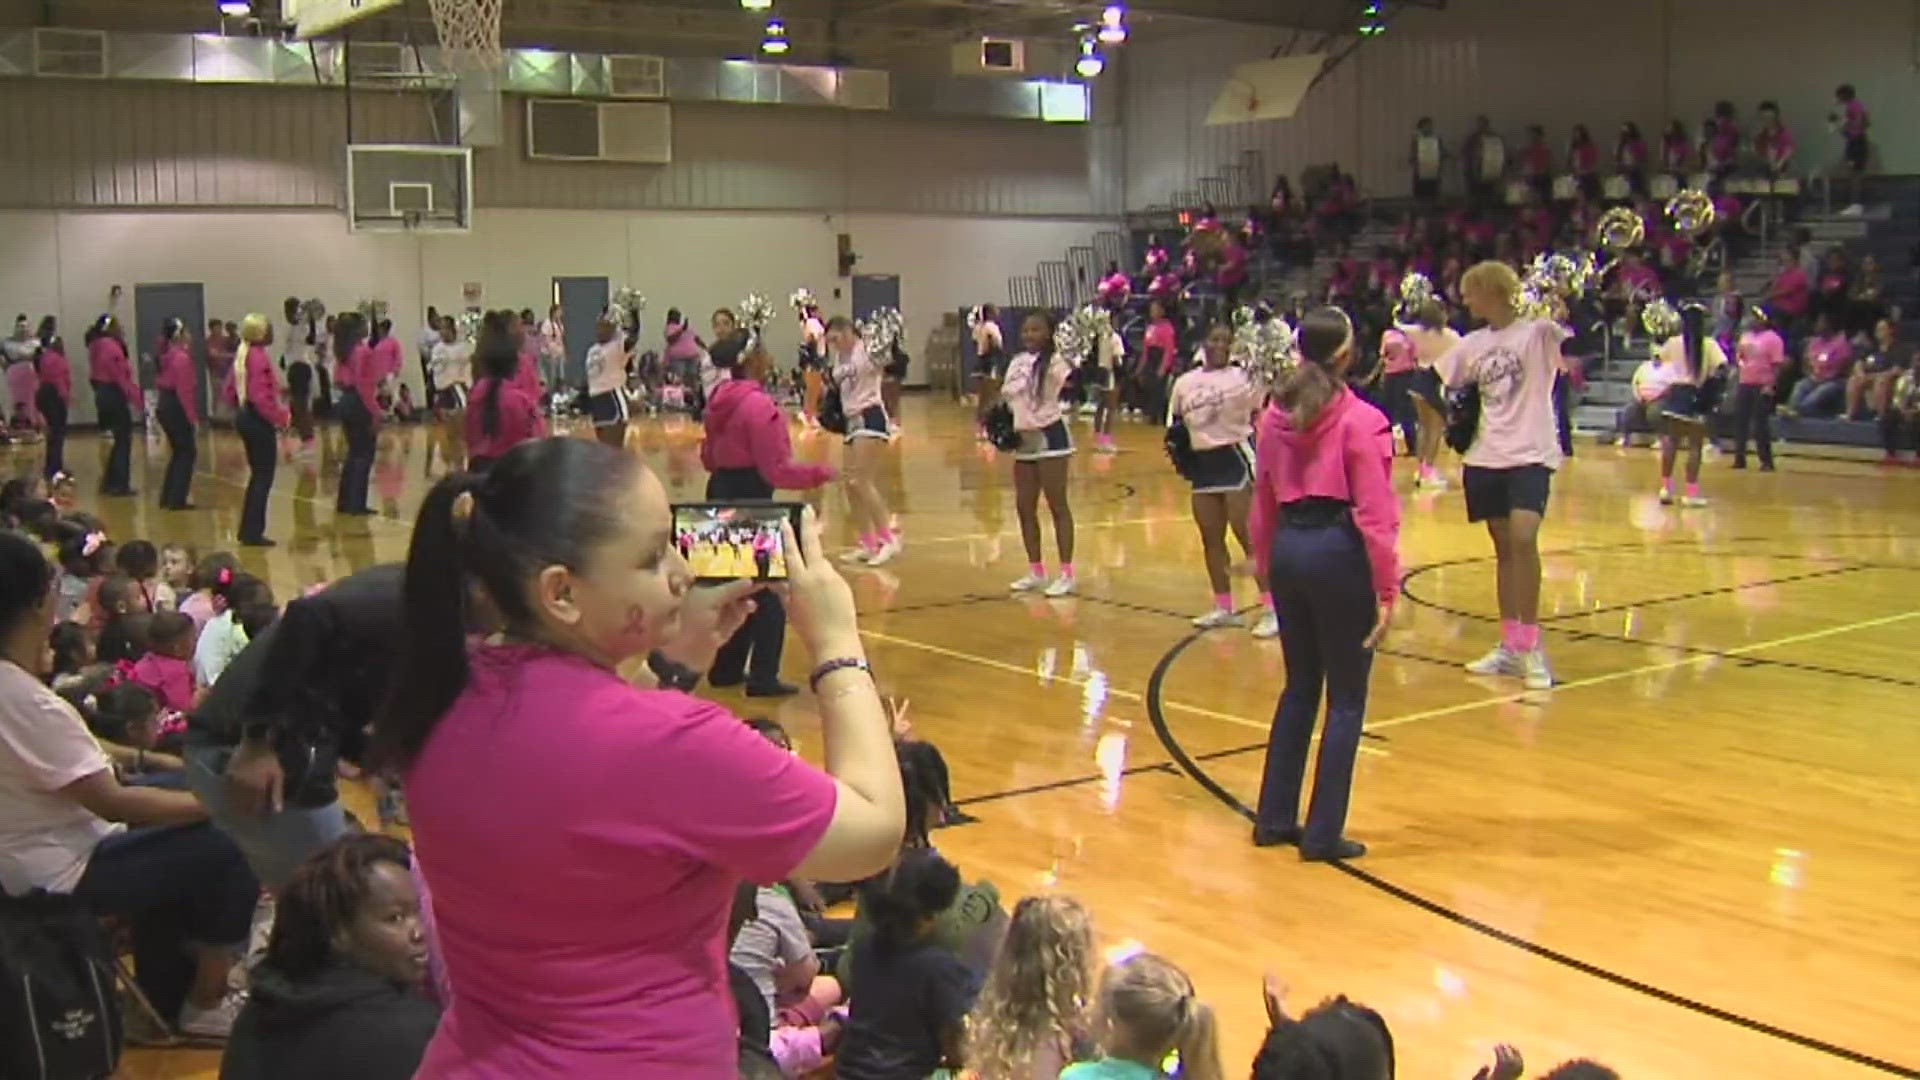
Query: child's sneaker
point(1062, 586)
point(1268, 626)
point(1501, 661)
point(1029, 583)
point(1215, 619)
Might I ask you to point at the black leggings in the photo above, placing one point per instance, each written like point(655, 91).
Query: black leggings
point(357, 470)
point(1752, 416)
point(257, 436)
point(54, 408)
point(116, 418)
point(182, 454)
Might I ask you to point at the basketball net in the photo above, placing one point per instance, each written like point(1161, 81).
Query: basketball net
point(469, 34)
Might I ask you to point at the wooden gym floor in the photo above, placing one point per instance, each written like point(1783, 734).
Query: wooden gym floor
point(1691, 859)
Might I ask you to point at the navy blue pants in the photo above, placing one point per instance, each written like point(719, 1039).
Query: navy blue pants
point(1323, 593)
point(176, 887)
point(356, 471)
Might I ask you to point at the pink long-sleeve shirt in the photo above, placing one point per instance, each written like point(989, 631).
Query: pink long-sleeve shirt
point(176, 374)
point(1346, 453)
point(859, 377)
point(387, 355)
point(55, 369)
point(526, 376)
point(360, 372)
point(519, 419)
point(1034, 407)
point(263, 388)
point(107, 364)
point(1761, 356)
point(170, 679)
point(746, 430)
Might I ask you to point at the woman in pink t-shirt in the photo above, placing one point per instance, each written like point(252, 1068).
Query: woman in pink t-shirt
point(1761, 356)
point(582, 837)
point(1822, 389)
point(1214, 405)
point(1851, 116)
point(1031, 392)
point(1511, 362)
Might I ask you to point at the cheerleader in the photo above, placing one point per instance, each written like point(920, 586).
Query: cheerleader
point(55, 393)
point(1031, 391)
point(857, 376)
point(1101, 374)
point(1431, 338)
point(177, 384)
point(1509, 468)
point(388, 355)
point(117, 399)
point(1325, 516)
point(254, 393)
point(989, 366)
point(1691, 364)
point(607, 383)
point(359, 371)
point(451, 368)
point(1215, 403)
point(813, 345)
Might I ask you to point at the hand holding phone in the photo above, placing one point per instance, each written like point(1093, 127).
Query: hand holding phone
point(735, 541)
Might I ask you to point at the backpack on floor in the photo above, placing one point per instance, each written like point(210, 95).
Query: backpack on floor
point(59, 1013)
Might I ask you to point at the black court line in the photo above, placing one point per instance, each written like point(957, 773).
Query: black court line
point(1064, 783)
point(1187, 764)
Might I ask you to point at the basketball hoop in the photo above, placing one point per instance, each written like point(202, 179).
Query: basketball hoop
point(469, 34)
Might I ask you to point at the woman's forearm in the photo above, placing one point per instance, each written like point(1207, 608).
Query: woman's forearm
point(858, 739)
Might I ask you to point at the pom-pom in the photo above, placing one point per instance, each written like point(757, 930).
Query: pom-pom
point(1691, 212)
point(1079, 334)
point(626, 306)
point(1660, 318)
point(879, 331)
point(1264, 346)
point(1620, 229)
point(755, 312)
point(802, 300)
point(974, 315)
point(374, 311)
point(314, 310)
point(1416, 289)
point(468, 322)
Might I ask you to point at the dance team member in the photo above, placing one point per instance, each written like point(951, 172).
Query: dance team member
point(1102, 380)
point(259, 414)
point(1216, 402)
point(1031, 389)
point(607, 383)
point(116, 399)
point(989, 366)
point(452, 371)
point(1325, 512)
point(1689, 361)
point(178, 385)
point(813, 348)
point(54, 395)
point(1432, 338)
point(359, 369)
point(748, 455)
point(1509, 468)
point(857, 376)
point(500, 413)
point(388, 355)
point(296, 359)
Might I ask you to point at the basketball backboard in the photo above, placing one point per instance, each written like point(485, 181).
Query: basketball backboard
point(409, 188)
point(317, 18)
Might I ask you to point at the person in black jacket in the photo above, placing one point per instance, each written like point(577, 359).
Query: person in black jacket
point(339, 993)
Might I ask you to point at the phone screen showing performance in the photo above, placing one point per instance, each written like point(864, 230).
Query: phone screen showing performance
point(734, 541)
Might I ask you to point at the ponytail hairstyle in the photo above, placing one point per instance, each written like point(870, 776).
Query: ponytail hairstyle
point(253, 330)
point(349, 331)
point(1148, 1009)
point(901, 901)
point(208, 572)
point(236, 590)
point(1693, 335)
point(1043, 359)
point(1324, 336)
point(499, 361)
point(169, 329)
point(482, 538)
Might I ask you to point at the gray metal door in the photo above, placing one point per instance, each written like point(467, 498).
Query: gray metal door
point(581, 300)
point(871, 292)
point(153, 305)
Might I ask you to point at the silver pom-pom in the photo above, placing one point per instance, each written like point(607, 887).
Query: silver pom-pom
point(879, 331)
point(974, 315)
point(1416, 289)
point(1079, 335)
point(626, 306)
point(373, 311)
point(1264, 346)
point(468, 323)
point(1660, 318)
point(802, 300)
point(756, 312)
point(315, 310)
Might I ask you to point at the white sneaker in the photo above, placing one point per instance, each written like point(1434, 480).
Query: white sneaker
point(1268, 626)
point(1062, 586)
point(214, 1023)
point(887, 553)
point(856, 557)
point(1666, 497)
point(1501, 661)
point(1029, 583)
point(1216, 618)
point(1533, 668)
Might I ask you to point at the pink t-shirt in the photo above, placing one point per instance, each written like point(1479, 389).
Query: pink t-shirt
point(1761, 357)
point(1216, 404)
point(1791, 291)
point(1828, 356)
point(1854, 123)
point(199, 608)
point(1160, 336)
point(45, 837)
point(1397, 352)
point(859, 379)
point(170, 679)
point(1034, 407)
point(1514, 368)
point(582, 840)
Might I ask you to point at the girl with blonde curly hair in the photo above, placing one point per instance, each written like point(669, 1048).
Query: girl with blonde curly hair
point(1031, 1019)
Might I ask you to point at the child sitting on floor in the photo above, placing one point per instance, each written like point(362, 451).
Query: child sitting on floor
point(176, 572)
point(910, 1012)
point(117, 634)
point(1148, 1011)
point(83, 563)
point(167, 667)
point(140, 560)
point(1031, 1019)
point(201, 605)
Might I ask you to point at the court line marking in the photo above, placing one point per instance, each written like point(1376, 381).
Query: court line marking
point(1186, 763)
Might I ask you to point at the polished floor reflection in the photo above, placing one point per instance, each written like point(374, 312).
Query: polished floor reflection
point(1692, 859)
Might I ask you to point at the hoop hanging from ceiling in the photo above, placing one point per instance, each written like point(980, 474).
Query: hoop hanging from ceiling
point(469, 33)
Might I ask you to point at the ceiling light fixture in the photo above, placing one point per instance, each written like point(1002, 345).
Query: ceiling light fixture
point(236, 9)
point(775, 41)
point(1091, 63)
point(756, 5)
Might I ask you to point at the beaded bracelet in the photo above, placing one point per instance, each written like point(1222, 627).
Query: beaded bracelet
point(845, 663)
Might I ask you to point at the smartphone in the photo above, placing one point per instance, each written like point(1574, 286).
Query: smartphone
point(732, 541)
